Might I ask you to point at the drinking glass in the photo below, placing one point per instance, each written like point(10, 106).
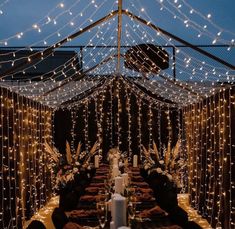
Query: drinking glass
point(131, 210)
point(102, 213)
point(103, 195)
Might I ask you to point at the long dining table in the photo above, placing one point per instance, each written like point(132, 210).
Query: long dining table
point(148, 213)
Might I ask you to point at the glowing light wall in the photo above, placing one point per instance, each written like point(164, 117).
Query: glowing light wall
point(25, 181)
point(211, 147)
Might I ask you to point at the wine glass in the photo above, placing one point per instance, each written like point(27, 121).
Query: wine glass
point(131, 209)
point(102, 213)
point(103, 195)
point(130, 192)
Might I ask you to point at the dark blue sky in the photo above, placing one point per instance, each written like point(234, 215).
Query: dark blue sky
point(19, 16)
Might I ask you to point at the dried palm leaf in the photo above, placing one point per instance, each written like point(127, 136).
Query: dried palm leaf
point(145, 151)
point(168, 154)
point(68, 153)
point(51, 152)
point(155, 150)
point(56, 151)
point(78, 151)
point(175, 153)
point(94, 148)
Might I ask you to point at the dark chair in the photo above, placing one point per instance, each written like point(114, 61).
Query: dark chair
point(59, 218)
point(36, 224)
point(192, 225)
point(179, 216)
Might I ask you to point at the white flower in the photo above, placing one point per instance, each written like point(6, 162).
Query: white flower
point(161, 162)
point(159, 170)
point(146, 167)
point(69, 177)
point(77, 163)
point(75, 170)
point(169, 177)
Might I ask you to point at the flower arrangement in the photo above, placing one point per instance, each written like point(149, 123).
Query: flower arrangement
point(114, 153)
point(76, 162)
point(171, 164)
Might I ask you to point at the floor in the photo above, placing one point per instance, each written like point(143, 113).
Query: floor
point(183, 200)
point(44, 214)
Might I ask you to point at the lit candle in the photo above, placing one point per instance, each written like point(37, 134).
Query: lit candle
point(135, 161)
point(115, 171)
point(97, 159)
point(125, 178)
point(119, 185)
point(119, 207)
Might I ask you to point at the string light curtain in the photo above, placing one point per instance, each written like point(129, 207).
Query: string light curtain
point(25, 180)
point(210, 146)
point(125, 118)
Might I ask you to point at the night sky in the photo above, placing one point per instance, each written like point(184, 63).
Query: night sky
point(20, 15)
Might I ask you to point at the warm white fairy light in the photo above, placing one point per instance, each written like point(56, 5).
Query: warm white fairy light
point(68, 61)
point(119, 110)
point(128, 107)
point(86, 123)
point(73, 119)
point(41, 23)
point(111, 116)
point(210, 119)
point(163, 87)
point(197, 62)
point(139, 120)
point(150, 123)
point(177, 13)
point(22, 115)
point(62, 27)
point(143, 30)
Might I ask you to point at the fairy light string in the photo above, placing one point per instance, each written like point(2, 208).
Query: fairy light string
point(206, 120)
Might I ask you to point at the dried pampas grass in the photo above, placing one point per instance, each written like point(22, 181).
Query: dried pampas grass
point(54, 154)
point(155, 150)
point(78, 151)
point(68, 153)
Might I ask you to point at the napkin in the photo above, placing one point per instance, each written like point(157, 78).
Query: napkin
point(144, 197)
point(99, 185)
point(83, 213)
point(140, 184)
point(92, 190)
point(144, 190)
point(100, 177)
point(137, 178)
point(156, 211)
point(89, 198)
